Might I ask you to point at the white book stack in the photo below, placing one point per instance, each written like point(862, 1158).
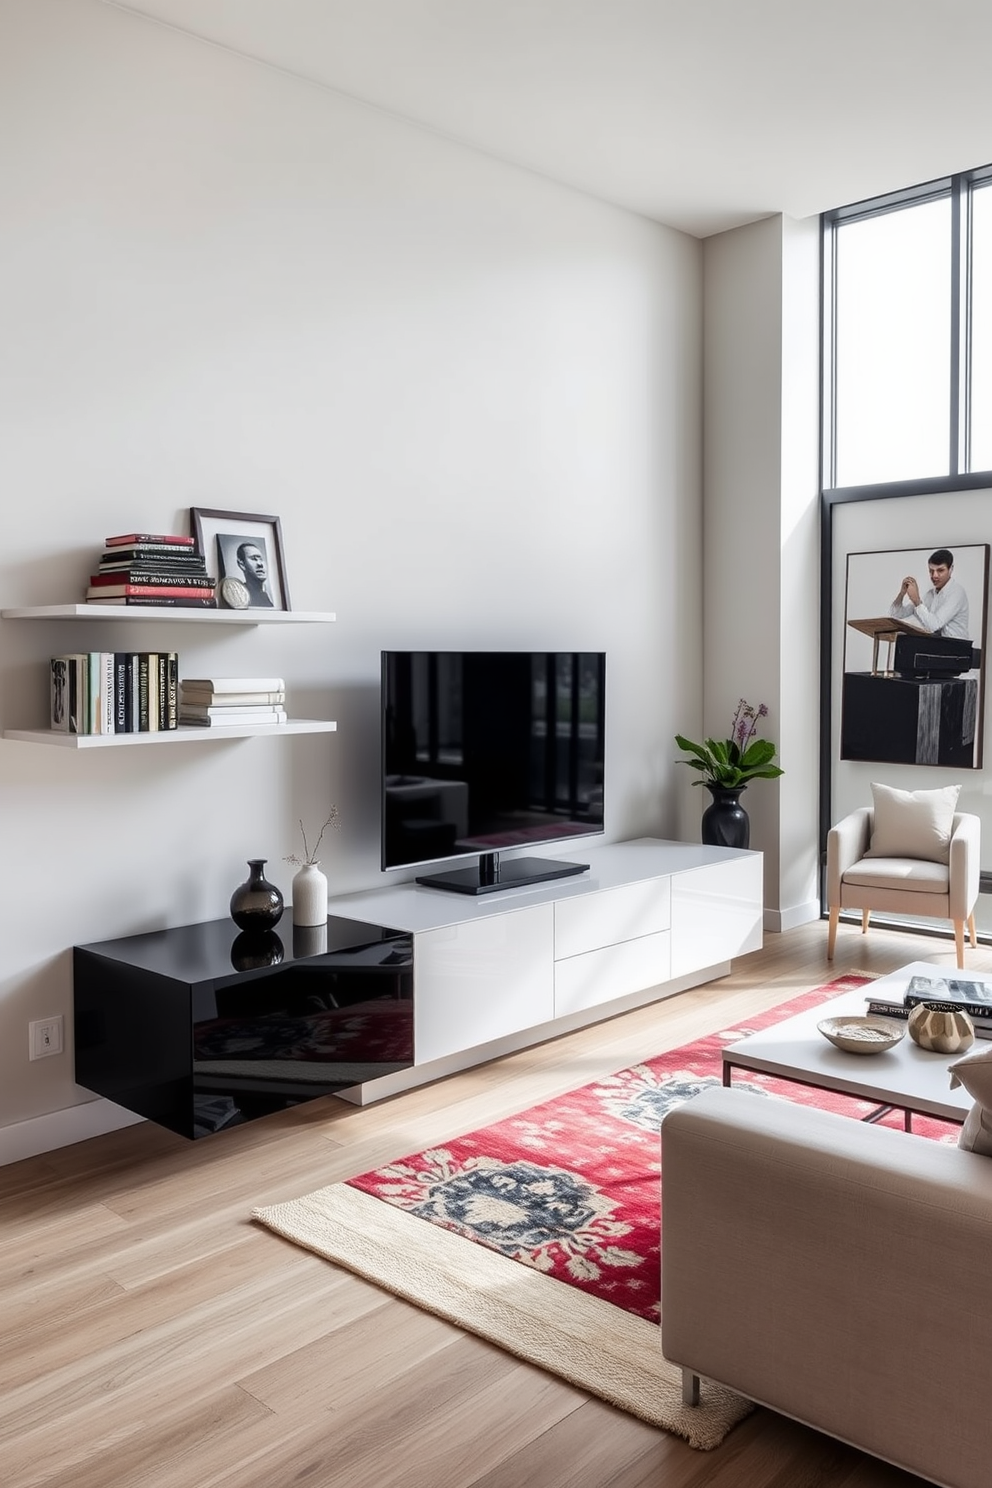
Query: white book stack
point(216, 702)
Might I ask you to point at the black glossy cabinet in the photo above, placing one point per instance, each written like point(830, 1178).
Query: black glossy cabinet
point(201, 1027)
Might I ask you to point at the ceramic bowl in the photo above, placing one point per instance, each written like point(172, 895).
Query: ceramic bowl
point(862, 1035)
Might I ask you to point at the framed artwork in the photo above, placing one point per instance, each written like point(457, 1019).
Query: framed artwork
point(913, 687)
point(244, 552)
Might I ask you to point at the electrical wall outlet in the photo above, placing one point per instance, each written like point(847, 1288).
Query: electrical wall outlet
point(45, 1037)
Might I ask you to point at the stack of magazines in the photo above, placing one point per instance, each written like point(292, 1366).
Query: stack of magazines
point(954, 993)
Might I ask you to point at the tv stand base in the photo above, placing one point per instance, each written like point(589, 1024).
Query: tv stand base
point(489, 875)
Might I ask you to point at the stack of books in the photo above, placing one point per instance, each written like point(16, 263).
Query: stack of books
point(213, 702)
point(114, 692)
point(957, 993)
point(152, 568)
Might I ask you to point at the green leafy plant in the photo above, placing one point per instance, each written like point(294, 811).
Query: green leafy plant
point(730, 763)
point(309, 855)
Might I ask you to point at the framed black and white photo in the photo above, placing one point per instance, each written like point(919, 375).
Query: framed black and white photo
point(244, 551)
point(914, 667)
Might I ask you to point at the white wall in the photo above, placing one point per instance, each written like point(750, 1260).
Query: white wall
point(760, 421)
point(472, 396)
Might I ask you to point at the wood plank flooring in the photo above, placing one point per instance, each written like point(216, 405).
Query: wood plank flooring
point(152, 1337)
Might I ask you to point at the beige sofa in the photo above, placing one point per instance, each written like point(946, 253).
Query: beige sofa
point(838, 1272)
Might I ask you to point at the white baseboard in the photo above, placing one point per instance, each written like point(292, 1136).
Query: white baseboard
point(777, 920)
point(61, 1129)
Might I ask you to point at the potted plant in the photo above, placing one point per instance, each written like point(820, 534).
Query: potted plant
point(725, 767)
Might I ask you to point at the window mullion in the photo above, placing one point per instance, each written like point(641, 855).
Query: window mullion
point(956, 457)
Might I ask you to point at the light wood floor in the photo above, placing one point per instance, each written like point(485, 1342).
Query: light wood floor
point(152, 1337)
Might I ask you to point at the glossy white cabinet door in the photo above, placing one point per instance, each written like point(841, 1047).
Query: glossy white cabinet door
point(613, 971)
point(482, 980)
point(612, 916)
point(716, 913)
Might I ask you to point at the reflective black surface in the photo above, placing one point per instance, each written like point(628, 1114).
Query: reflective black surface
point(201, 1027)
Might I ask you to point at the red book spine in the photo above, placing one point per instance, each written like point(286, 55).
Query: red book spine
point(150, 537)
point(156, 591)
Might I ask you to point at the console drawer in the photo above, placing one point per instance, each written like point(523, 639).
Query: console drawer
point(611, 972)
point(612, 916)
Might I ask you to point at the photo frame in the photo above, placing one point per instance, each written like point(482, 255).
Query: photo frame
point(913, 686)
point(244, 552)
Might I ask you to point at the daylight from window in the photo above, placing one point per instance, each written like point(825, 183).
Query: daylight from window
point(981, 318)
point(893, 347)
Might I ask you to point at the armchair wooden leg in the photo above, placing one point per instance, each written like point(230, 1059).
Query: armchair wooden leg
point(865, 917)
point(832, 931)
point(959, 940)
point(972, 932)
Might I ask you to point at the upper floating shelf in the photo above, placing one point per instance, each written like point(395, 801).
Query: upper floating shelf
point(169, 612)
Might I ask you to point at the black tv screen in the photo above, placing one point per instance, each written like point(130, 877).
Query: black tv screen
point(484, 751)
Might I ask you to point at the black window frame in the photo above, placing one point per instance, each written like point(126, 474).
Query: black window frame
point(959, 188)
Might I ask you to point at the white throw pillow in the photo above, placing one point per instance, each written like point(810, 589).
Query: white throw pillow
point(913, 824)
point(974, 1072)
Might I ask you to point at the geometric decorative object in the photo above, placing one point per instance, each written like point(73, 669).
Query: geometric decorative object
point(941, 1028)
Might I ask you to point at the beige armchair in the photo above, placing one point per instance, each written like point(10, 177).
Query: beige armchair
point(915, 886)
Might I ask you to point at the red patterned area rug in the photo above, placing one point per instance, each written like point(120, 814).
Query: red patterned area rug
point(571, 1189)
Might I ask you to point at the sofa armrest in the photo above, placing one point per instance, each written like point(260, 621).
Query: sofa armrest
point(847, 843)
point(963, 864)
point(835, 1271)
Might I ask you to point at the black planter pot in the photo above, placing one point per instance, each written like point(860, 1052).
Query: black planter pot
point(725, 822)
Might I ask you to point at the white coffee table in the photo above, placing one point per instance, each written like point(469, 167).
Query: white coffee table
point(905, 1078)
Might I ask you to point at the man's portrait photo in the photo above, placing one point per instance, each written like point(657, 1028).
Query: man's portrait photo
point(245, 561)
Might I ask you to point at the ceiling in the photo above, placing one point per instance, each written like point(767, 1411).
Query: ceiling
point(704, 114)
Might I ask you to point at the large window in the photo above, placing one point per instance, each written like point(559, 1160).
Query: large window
point(908, 335)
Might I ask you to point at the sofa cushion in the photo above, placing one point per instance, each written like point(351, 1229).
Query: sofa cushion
point(913, 875)
point(913, 824)
point(974, 1072)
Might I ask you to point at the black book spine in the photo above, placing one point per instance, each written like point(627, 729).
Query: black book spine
point(177, 577)
point(160, 602)
point(172, 690)
point(163, 689)
point(143, 692)
point(120, 692)
point(981, 1010)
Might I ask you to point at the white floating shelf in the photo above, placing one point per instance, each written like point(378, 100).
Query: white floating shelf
point(181, 735)
point(169, 612)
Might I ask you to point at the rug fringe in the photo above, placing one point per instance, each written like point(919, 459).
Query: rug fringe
point(600, 1348)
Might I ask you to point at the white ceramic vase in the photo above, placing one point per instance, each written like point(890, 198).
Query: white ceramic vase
point(310, 896)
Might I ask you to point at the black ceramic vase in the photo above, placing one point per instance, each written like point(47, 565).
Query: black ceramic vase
point(725, 822)
point(256, 905)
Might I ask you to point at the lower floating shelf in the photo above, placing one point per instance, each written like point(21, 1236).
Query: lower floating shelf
point(182, 735)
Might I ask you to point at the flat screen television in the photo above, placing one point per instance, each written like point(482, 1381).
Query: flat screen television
point(484, 751)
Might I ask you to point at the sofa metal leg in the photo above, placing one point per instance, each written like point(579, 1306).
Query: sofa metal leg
point(690, 1387)
point(832, 931)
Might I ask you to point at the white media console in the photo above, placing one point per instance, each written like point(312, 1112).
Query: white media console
point(499, 971)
